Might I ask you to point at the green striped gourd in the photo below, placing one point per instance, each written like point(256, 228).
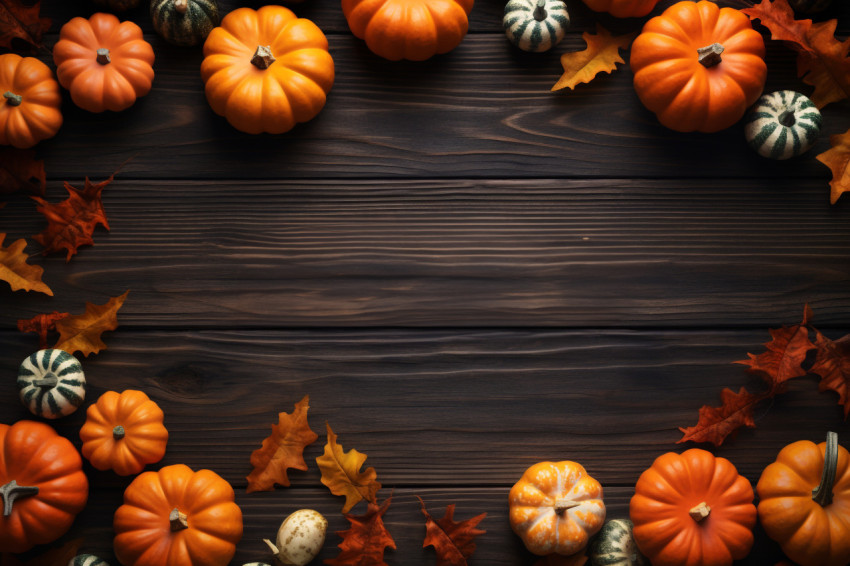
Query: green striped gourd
point(184, 22)
point(87, 560)
point(51, 383)
point(615, 546)
point(536, 25)
point(782, 124)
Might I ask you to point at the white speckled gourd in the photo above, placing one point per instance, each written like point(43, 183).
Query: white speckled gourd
point(615, 546)
point(782, 124)
point(536, 25)
point(87, 560)
point(51, 383)
point(300, 538)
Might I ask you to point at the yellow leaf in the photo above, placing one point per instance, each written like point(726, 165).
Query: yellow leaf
point(837, 159)
point(341, 473)
point(81, 333)
point(15, 270)
point(602, 54)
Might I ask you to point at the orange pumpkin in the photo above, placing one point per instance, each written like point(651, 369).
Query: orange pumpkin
point(408, 29)
point(623, 8)
point(698, 67)
point(177, 517)
point(29, 110)
point(804, 502)
point(105, 63)
point(42, 484)
point(556, 507)
point(123, 432)
point(266, 70)
point(693, 509)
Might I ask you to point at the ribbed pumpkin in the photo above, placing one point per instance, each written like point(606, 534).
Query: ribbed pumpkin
point(408, 29)
point(623, 8)
point(29, 109)
point(51, 383)
point(782, 125)
point(184, 22)
point(698, 67)
point(117, 5)
point(615, 545)
point(536, 25)
point(810, 6)
point(87, 560)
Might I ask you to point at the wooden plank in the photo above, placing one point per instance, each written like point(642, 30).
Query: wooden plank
point(612, 253)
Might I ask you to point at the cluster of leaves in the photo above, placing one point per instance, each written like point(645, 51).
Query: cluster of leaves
point(365, 542)
point(791, 353)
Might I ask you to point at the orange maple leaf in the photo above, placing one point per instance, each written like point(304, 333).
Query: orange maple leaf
point(81, 333)
point(832, 364)
point(454, 542)
point(559, 560)
point(71, 223)
point(283, 449)
point(367, 539)
point(21, 22)
point(601, 55)
point(341, 473)
point(15, 270)
point(828, 67)
point(41, 324)
point(837, 158)
point(717, 423)
point(778, 17)
point(21, 171)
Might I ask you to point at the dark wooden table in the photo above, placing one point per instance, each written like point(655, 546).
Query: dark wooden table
point(466, 273)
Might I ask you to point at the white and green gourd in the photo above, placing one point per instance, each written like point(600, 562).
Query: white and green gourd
point(184, 22)
point(782, 125)
point(87, 560)
point(614, 545)
point(536, 25)
point(51, 383)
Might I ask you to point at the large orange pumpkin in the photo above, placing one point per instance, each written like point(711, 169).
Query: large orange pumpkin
point(804, 502)
point(693, 509)
point(266, 70)
point(623, 8)
point(105, 63)
point(42, 484)
point(408, 29)
point(177, 517)
point(29, 109)
point(698, 66)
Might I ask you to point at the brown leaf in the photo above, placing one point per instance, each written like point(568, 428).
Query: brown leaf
point(41, 324)
point(15, 270)
point(558, 560)
point(832, 365)
point(454, 542)
point(21, 22)
point(837, 158)
point(341, 473)
point(828, 67)
point(717, 423)
point(283, 449)
point(21, 171)
point(601, 55)
point(71, 223)
point(81, 333)
point(367, 539)
point(778, 17)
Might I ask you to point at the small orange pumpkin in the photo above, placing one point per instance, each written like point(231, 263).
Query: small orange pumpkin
point(699, 67)
point(408, 29)
point(622, 8)
point(29, 109)
point(105, 63)
point(123, 432)
point(556, 507)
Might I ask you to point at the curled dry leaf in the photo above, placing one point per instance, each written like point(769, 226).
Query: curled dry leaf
point(15, 270)
point(21, 22)
point(453, 542)
point(601, 55)
point(41, 324)
point(367, 539)
point(832, 364)
point(81, 333)
point(837, 158)
point(341, 473)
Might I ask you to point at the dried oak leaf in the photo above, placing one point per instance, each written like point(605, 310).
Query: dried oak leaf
point(283, 449)
point(837, 158)
point(454, 542)
point(15, 270)
point(21, 171)
point(81, 333)
point(21, 22)
point(832, 365)
point(41, 324)
point(367, 539)
point(558, 560)
point(717, 423)
point(778, 17)
point(828, 67)
point(341, 473)
point(71, 223)
point(601, 55)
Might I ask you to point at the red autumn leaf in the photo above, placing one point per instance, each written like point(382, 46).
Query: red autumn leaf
point(832, 364)
point(454, 542)
point(717, 423)
point(20, 171)
point(283, 449)
point(828, 67)
point(367, 539)
point(71, 223)
point(21, 22)
point(778, 17)
point(41, 324)
point(81, 333)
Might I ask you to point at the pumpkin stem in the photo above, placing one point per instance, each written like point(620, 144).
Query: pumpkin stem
point(709, 55)
point(275, 550)
point(700, 512)
point(263, 57)
point(13, 99)
point(11, 491)
point(48, 382)
point(822, 494)
point(118, 432)
point(561, 505)
point(540, 11)
point(181, 6)
point(178, 520)
point(103, 56)
point(787, 118)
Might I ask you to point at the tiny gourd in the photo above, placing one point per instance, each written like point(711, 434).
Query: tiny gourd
point(184, 22)
point(30, 103)
point(615, 545)
point(809, 6)
point(622, 8)
point(299, 538)
point(535, 25)
point(87, 560)
point(782, 125)
point(51, 383)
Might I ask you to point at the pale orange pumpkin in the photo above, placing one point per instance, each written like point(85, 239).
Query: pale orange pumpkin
point(29, 109)
point(623, 8)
